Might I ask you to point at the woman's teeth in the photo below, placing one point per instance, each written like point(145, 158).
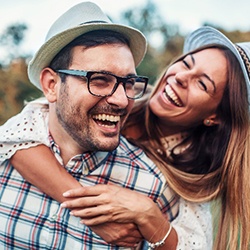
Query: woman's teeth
point(170, 94)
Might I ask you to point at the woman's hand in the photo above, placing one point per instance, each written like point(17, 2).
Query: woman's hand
point(120, 234)
point(109, 211)
point(99, 205)
point(108, 203)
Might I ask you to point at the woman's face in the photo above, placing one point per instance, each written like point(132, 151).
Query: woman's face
point(190, 91)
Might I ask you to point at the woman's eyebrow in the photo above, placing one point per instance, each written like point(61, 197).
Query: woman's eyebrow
point(205, 75)
point(192, 58)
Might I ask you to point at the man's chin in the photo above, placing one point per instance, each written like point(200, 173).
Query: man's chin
point(109, 145)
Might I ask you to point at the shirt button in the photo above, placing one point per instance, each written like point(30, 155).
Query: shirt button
point(54, 217)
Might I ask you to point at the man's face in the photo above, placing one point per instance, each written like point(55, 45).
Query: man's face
point(94, 123)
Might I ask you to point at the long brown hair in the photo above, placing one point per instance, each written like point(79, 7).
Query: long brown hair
point(216, 162)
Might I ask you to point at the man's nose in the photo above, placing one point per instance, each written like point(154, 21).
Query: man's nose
point(119, 97)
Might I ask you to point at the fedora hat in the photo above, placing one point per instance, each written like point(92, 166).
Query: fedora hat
point(78, 20)
point(209, 36)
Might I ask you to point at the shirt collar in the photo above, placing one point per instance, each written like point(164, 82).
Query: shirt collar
point(81, 163)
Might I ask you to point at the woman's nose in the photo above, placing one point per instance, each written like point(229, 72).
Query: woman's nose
point(182, 78)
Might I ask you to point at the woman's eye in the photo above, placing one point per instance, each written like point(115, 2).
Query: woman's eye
point(203, 85)
point(186, 64)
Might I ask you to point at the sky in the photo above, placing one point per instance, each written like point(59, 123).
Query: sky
point(188, 14)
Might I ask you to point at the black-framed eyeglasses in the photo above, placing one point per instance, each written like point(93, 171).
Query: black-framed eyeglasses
point(103, 84)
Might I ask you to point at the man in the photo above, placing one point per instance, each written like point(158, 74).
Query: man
point(86, 70)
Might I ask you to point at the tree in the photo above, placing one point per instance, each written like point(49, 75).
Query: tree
point(11, 40)
point(160, 36)
point(15, 87)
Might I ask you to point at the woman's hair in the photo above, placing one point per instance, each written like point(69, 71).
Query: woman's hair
point(216, 162)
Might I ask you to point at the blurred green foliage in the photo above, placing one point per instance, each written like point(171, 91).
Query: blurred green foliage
point(164, 44)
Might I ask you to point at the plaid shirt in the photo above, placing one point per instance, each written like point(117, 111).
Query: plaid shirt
point(29, 219)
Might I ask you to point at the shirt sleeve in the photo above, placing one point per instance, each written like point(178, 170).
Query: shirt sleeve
point(27, 129)
point(194, 226)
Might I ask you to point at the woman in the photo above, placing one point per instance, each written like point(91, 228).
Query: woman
point(195, 127)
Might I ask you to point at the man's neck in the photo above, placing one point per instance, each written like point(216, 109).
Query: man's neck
point(68, 147)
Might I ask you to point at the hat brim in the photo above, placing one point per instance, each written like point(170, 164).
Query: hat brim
point(206, 36)
point(51, 48)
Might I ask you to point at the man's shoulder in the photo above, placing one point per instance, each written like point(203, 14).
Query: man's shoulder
point(126, 146)
point(134, 154)
point(133, 151)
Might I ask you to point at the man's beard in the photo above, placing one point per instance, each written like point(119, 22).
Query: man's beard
point(77, 126)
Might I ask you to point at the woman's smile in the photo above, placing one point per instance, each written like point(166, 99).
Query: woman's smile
point(171, 95)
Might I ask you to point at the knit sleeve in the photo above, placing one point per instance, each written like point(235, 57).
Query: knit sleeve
point(27, 129)
point(194, 226)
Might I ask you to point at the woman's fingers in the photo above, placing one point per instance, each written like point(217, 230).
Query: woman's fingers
point(81, 203)
point(85, 191)
point(121, 234)
point(92, 196)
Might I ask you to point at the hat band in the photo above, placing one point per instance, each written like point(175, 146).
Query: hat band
point(245, 58)
point(93, 22)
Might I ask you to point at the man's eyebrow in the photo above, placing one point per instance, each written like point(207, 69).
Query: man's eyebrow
point(109, 72)
point(205, 75)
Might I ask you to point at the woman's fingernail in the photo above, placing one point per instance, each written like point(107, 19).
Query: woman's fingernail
point(66, 194)
point(63, 205)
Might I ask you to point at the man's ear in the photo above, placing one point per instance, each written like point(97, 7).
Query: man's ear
point(211, 120)
point(50, 83)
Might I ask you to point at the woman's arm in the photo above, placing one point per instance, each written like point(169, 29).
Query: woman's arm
point(101, 203)
point(39, 166)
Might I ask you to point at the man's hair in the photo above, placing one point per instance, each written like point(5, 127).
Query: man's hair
point(91, 39)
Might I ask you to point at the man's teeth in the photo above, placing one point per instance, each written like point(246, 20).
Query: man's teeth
point(170, 93)
point(109, 118)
